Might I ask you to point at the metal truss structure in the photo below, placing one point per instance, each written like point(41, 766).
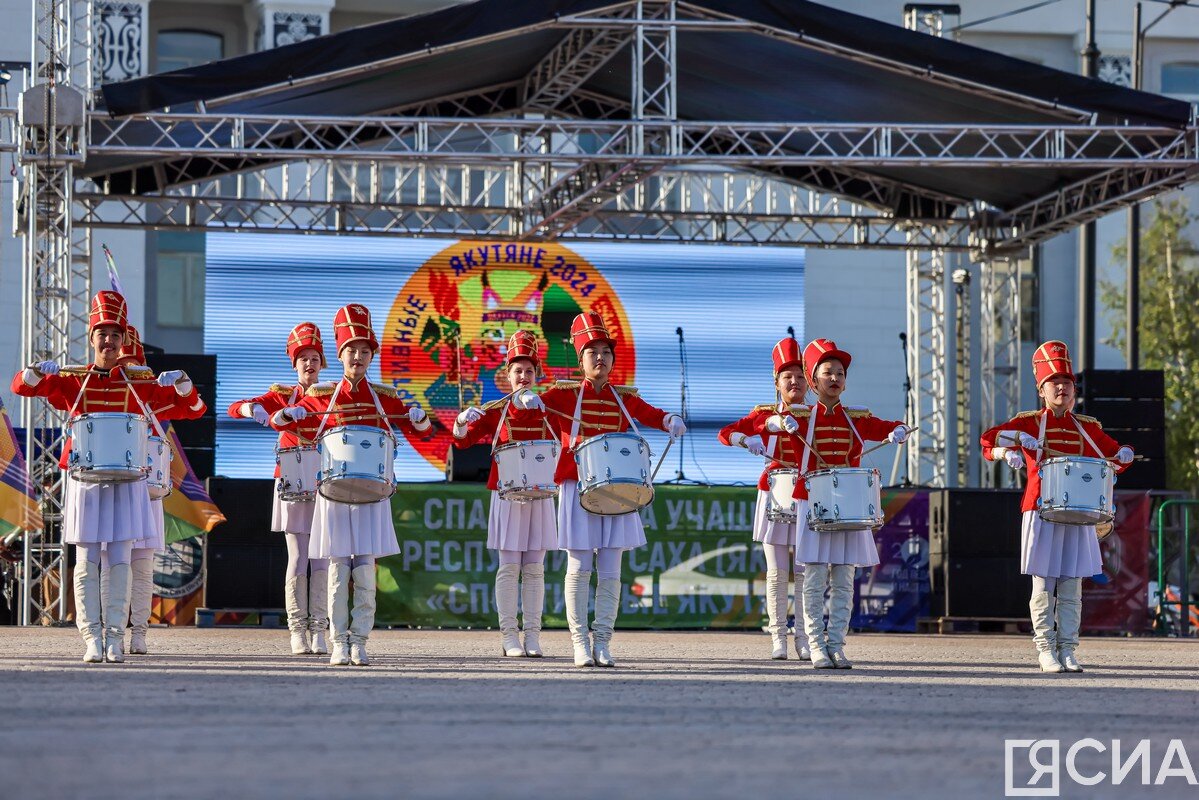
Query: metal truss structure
point(543, 157)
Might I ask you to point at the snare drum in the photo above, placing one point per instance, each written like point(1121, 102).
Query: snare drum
point(357, 464)
point(780, 505)
point(158, 465)
point(614, 474)
point(1076, 490)
point(108, 448)
point(844, 499)
point(526, 469)
point(298, 468)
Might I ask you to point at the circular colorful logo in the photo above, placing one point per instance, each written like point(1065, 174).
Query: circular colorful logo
point(448, 329)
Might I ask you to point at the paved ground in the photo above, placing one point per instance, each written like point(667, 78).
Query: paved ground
point(226, 714)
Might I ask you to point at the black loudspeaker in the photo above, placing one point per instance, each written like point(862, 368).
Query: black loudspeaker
point(974, 553)
point(197, 435)
point(246, 560)
point(1131, 405)
point(468, 465)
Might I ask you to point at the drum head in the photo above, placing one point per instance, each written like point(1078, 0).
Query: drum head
point(1104, 529)
point(355, 491)
point(613, 499)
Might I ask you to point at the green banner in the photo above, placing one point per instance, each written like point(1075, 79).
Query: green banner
point(699, 569)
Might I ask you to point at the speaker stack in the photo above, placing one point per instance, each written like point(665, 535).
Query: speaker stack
point(245, 560)
point(974, 554)
point(469, 464)
point(1131, 404)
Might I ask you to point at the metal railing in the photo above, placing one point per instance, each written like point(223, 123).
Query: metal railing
point(1161, 623)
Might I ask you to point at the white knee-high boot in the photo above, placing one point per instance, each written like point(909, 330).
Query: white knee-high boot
point(362, 617)
point(815, 582)
point(339, 613)
point(776, 612)
point(295, 592)
point(607, 605)
point(507, 595)
point(801, 640)
point(840, 611)
point(578, 597)
point(88, 610)
point(318, 611)
point(141, 595)
point(1069, 620)
point(116, 612)
point(532, 600)
point(1044, 637)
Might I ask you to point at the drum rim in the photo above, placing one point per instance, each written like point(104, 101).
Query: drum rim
point(512, 445)
point(373, 431)
point(793, 470)
point(1064, 459)
point(840, 470)
point(299, 448)
point(614, 435)
point(107, 414)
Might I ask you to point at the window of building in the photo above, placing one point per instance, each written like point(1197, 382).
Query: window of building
point(180, 280)
point(180, 49)
point(1181, 78)
point(1030, 297)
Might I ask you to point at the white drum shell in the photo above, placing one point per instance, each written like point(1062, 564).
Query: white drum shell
point(1077, 491)
point(158, 467)
point(526, 469)
point(844, 499)
point(357, 464)
point(780, 504)
point(298, 468)
point(614, 474)
point(108, 448)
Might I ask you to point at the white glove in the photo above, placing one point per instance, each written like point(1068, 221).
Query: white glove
point(754, 444)
point(1029, 442)
point(416, 415)
point(530, 401)
point(1013, 458)
point(169, 377)
point(469, 415)
point(899, 435)
point(296, 413)
point(260, 415)
point(47, 367)
point(675, 426)
point(790, 425)
point(1125, 455)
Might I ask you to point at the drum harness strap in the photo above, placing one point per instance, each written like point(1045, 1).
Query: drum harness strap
point(505, 421)
point(333, 403)
point(574, 426)
point(1081, 432)
point(145, 410)
point(853, 430)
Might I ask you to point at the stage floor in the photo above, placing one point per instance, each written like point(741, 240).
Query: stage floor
point(227, 713)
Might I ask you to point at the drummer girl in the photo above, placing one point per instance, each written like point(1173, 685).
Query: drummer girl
point(352, 535)
point(132, 361)
point(1058, 556)
point(593, 540)
point(769, 430)
point(837, 437)
point(520, 530)
point(306, 598)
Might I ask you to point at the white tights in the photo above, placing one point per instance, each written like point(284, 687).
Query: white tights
point(353, 562)
point(778, 556)
point(1040, 584)
point(297, 556)
point(606, 560)
point(522, 556)
point(105, 553)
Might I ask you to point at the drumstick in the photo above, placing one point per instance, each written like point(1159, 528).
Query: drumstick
point(815, 452)
point(660, 460)
point(566, 416)
point(884, 444)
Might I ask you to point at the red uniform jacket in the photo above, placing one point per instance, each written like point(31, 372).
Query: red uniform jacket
point(600, 414)
point(110, 395)
point(519, 426)
point(785, 446)
point(277, 397)
point(354, 406)
point(834, 439)
point(1061, 435)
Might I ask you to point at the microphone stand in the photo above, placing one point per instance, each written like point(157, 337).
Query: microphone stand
point(907, 411)
point(679, 476)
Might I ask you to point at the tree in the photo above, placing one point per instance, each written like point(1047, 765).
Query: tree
point(1169, 328)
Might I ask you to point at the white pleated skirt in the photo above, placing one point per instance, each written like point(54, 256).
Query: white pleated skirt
point(1052, 550)
point(579, 529)
point(833, 547)
point(157, 542)
point(341, 530)
point(522, 526)
point(769, 532)
point(289, 516)
point(106, 512)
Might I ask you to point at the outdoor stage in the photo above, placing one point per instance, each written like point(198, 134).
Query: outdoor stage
point(225, 713)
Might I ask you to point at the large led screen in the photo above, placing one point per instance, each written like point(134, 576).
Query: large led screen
point(437, 304)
